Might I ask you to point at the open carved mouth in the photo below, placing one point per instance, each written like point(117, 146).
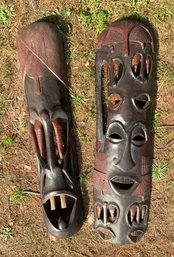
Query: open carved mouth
point(123, 185)
point(136, 235)
point(105, 233)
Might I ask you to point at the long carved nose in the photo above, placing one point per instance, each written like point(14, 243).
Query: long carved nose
point(126, 164)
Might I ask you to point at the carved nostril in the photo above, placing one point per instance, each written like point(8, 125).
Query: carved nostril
point(126, 164)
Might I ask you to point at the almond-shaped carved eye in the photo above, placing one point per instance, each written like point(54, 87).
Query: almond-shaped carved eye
point(118, 70)
point(142, 101)
point(139, 136)
point(115, 133)
point(136, 65)
point(114, 101)
point(115, 137)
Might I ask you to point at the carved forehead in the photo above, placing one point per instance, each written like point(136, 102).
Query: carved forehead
point(125, 32)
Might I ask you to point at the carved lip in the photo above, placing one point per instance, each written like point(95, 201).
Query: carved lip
point(105, 233)
point(136, 235)
point(123, 185)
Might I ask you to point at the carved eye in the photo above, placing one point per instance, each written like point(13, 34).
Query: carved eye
point(115, 137)
point(139, 137)
point(115, 133)
point(114, 101)
point(118, 70)
point(141, 101)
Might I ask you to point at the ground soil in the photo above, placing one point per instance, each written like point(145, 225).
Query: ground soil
point(17, 162)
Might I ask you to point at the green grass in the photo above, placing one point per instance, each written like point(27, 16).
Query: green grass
point(79, 98)
point(6, 233)
point(155, 118)
point(92, 16)
point(172, 155)
point(83, 178)
point(159, 170)
point(85, 139)
point(7, 13)
point(87, 75)
point(92, 112)
point(7, 141)
point(170, 183)
point(17, 196)
point(165, 71)
point(98, 19)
